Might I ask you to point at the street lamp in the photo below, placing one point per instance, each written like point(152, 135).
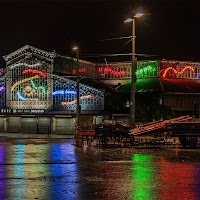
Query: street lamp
point(133, 68)
point(77, 88)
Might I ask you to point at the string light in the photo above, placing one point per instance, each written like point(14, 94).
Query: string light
point(89, 96)
point(80, 70)
point(20, 96)
point(176, 72)
point(145, 70)
point(108, 70)
point(22, 81)
point(33, 83)
point(62, 92)
point(34, 71)
point(25, 64)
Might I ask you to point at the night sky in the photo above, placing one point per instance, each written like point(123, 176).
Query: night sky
point(170, 28)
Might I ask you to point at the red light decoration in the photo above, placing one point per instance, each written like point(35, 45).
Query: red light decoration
point(34, 71)
point(80, 70)
point(176, 72)
point(108, 70)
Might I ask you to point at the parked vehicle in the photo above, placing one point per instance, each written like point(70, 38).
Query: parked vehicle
point(188, 133)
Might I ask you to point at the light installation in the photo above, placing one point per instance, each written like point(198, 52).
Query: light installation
point(62, 92)
point(33, 83)
point(34, 71)
point(26, 65)
point(80, 70)
point(20, 96)
point(29, 91)
point(145, 70)
point(22, 67)
point(22, 81)
point(89, 96)
point(2, 88)
point(109, 70)
point(176, 72)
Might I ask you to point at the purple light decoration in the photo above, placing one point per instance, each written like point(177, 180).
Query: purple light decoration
point(2, 88)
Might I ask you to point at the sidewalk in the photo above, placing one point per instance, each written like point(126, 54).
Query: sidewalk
point(24, 135)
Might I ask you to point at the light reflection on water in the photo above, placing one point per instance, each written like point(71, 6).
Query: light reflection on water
point(2, 172)
point(37, 172)
point(178, 180)
point(60, 171)
point(64, 172)
point(18, 181)
point(143, 175)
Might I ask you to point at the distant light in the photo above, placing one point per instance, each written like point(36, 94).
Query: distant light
point(128, 20)
point(138, 15)
point(75, 48)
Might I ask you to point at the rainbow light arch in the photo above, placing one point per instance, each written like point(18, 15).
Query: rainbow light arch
point(22, 81)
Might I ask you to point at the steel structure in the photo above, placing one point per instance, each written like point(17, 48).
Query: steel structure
point(90, 98)
point(30, 89)
point(28, 82)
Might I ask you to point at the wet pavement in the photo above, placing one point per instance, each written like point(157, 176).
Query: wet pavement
point(56, 169)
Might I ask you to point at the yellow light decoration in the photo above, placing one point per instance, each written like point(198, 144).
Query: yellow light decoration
point(24, 80)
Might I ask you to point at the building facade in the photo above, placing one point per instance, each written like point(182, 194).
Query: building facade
point(29, 84)
point(39, 82)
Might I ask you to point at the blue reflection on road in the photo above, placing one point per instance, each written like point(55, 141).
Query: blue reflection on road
point(19, 175)
point(63, 172)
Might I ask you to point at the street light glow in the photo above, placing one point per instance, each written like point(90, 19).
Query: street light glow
point(138, 15)
point(128, 20)
point(75, 48)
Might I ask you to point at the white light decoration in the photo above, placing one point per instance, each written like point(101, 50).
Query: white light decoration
point(29, 91)
point(25, 64)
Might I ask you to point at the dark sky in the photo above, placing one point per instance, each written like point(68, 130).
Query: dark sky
point(169, 29)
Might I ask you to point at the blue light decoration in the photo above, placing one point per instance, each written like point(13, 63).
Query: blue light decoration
point(20, 96)
point(2, 88)
point(62, 92)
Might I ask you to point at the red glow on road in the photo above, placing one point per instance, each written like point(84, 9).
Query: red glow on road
point(178, 180)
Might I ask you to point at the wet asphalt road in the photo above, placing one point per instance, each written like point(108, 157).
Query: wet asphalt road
point(56, 169)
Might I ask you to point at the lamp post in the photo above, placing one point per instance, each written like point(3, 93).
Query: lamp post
point(133, 68)
point(77, 88)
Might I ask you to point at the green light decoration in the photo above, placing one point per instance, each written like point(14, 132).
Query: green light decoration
point(143, 71)
point(143, 177)
point(33, 83)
